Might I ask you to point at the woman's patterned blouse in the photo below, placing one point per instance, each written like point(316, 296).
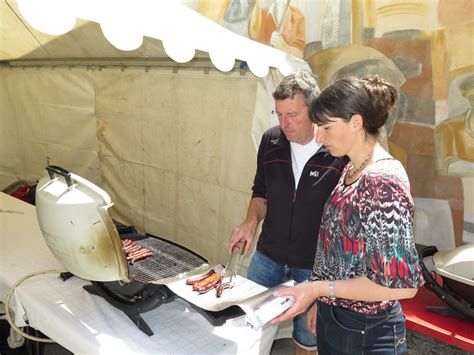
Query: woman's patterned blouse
point(367, 229)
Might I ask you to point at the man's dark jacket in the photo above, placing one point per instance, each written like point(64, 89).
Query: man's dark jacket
point(290, 229)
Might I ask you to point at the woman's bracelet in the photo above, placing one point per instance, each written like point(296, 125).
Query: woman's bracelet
point(332, 290)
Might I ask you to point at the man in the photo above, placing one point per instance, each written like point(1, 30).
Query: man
point(294, 177)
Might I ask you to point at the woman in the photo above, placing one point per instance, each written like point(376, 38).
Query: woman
point(366, 259)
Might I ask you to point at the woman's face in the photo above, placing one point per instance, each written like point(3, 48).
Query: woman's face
point(336, 135)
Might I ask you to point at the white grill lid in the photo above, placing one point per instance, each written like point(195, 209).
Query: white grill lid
point(456, 264)
point(74, 219)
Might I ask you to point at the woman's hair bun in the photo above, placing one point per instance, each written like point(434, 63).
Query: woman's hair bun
point(382, 91)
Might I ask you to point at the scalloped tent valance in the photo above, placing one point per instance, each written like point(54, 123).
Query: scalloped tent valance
point(182, 31)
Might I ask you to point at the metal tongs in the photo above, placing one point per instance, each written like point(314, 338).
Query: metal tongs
point(231, 268)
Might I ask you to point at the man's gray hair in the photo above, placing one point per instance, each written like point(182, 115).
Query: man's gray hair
point(300, 82)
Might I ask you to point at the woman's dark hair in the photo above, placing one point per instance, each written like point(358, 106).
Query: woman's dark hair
point(372, 98)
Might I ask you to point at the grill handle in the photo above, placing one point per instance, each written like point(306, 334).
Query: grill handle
point(53, 169)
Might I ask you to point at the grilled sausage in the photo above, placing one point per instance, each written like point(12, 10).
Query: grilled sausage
point(209, 286)
point(139, 252)
point(132, 248)
point(126, 243)
point(142, 256)
point(212, 277)
point(223, 286)
point(197, 278)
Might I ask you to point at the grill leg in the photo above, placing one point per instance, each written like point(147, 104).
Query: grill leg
point(140, 323)
point(132, 311)
point(445, 311)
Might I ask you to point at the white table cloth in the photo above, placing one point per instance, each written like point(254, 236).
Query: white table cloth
point(84, 323)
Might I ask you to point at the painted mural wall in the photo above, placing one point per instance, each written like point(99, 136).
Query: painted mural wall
point(425, 48)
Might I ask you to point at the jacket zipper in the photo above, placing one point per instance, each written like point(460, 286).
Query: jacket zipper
point(294, 200)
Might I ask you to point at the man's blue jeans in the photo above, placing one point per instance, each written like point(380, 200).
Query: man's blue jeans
point(268, 273)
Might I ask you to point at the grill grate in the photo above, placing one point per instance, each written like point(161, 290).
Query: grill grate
point(168, 260)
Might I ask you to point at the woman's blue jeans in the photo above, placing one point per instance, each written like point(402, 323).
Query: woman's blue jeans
point(341, 331)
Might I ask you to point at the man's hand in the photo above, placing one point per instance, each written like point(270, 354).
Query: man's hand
point(245, 231)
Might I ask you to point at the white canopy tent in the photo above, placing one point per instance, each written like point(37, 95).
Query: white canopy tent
point(173, 143)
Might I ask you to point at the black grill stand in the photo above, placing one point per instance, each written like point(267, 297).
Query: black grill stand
point(147, 298)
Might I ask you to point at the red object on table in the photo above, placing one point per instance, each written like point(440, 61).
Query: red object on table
point(22, 192)
point(449, 329)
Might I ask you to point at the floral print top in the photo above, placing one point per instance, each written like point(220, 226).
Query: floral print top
point(367, 229)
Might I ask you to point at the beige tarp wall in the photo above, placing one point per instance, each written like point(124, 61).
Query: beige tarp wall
point(176, 151)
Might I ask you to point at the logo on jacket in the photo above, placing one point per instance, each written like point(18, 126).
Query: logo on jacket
point(314, 173)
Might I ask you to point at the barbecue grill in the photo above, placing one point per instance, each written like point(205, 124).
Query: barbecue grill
point(142, 294)
point(455, 268)
point(76, 225)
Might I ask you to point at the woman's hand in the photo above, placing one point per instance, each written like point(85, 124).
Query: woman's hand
point(305, 294)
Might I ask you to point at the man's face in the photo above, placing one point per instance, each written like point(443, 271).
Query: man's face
point(294, 119)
